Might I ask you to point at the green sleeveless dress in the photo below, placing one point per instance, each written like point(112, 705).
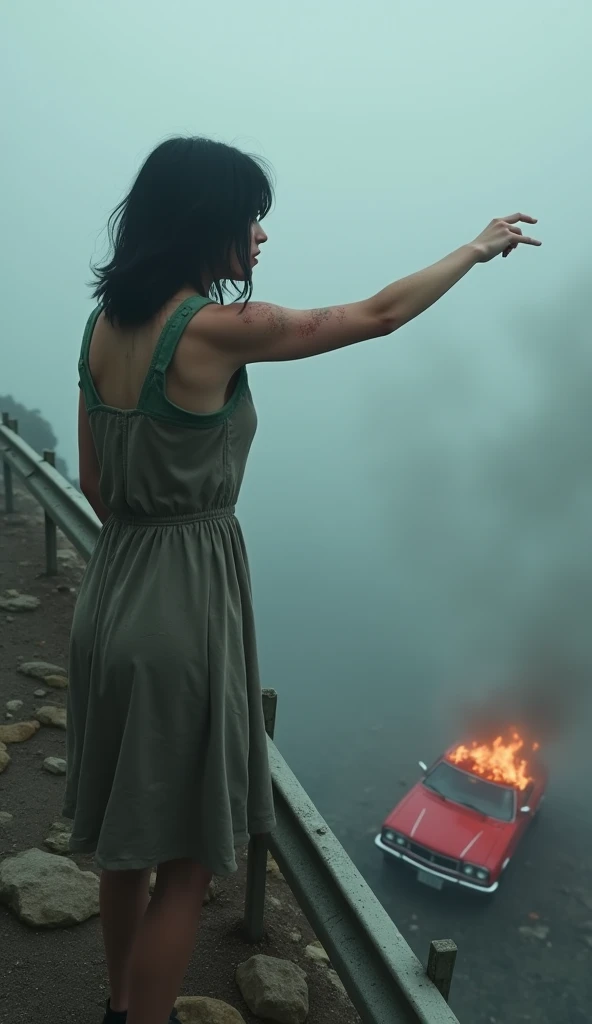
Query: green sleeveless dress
point(166, 743)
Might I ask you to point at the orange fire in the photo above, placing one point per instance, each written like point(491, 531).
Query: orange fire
point(501, 761)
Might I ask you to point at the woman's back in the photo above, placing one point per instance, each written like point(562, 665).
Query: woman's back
point(160, 453)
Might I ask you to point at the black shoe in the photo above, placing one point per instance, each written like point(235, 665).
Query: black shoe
point(111, 1017)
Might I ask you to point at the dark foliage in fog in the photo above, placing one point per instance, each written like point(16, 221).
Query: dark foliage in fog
point(34, 429)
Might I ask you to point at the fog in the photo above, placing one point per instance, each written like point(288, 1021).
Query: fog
point(418, 508)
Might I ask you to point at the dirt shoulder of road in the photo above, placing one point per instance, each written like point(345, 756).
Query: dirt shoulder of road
point(59, 976)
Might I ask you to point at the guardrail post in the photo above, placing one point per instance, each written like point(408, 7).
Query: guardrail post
point(441, 960)
point(51, 533)
point(7, 471)
point(258, 846)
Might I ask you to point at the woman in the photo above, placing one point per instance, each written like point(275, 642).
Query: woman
point(167, 761)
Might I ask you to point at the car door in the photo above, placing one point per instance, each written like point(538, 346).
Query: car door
point(521, 821)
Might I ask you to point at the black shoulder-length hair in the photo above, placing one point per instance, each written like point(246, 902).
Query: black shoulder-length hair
point(191, 206)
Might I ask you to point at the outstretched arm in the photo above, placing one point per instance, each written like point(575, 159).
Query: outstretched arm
point(262, 332)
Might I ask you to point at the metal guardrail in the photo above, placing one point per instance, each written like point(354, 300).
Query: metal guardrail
point(62, 503)
point(384, 979)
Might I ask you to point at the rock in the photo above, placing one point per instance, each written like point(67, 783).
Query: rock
point(201, 1010)
point(50, 715)
point(14, 705)
point(337, 983)
point(315, 951)
point(8, 715)
point(273, 868)
point(4, 757)
point(45, 891)
point(15, 602)
point(295, 937)
point(57, 682)
point(210, 893)
point(5, 818)
point(55, 765)
point(58, 840)
point(40, 670)
point(40, 693)
point(535, 931)
point(274, 989)
point(274, 902)
point(19, 732)
point(68, 558)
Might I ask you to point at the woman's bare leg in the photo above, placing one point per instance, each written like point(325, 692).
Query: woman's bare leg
point(165, 940)
point(124, 899)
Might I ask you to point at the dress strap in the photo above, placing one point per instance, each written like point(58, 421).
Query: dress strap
point(174, 328)
point(167, 343)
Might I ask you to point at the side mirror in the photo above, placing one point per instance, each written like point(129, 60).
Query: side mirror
point(423, 766)
point(525, 809)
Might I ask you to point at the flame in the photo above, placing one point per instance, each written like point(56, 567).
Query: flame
point(499, 761)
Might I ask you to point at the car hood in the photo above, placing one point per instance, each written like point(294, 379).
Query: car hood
point(448, 828)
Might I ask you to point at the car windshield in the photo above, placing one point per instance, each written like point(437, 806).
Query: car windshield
point(471, 791)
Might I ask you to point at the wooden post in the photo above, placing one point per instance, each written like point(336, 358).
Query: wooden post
point(258, 847)
point(51, 533)
point(7, 472)
point(441, 962)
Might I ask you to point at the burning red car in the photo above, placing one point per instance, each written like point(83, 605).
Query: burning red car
point(463, 821)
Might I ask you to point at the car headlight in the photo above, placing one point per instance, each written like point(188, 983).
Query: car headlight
point(475, 871)
point(394, 837)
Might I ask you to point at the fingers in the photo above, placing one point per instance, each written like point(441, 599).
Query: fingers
point(526, 240)
point(521, 237)
point(524, 217)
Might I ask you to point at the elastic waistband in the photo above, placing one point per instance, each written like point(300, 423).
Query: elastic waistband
point(191, 517)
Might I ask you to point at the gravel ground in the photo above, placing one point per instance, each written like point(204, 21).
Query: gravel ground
point(58, 976)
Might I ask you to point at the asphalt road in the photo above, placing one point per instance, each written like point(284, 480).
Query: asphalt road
point(503, 975)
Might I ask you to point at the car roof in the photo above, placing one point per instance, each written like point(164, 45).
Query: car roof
point(475, 775)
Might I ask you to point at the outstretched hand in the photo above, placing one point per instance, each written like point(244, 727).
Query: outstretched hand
point(502, 236)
